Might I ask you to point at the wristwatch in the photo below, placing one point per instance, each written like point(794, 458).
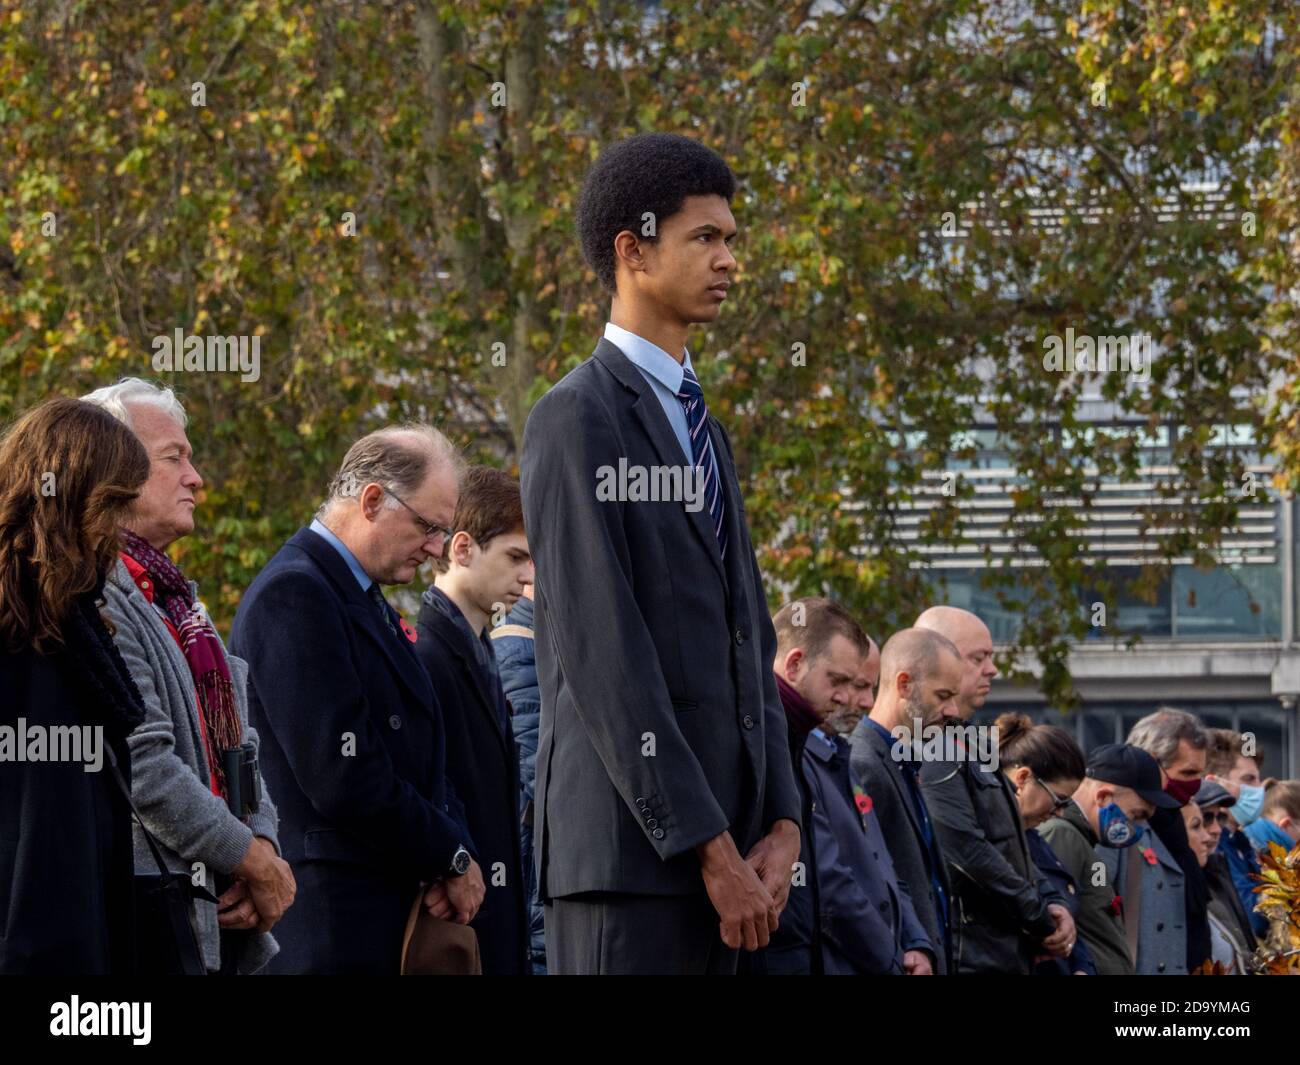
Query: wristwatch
point(460, 862)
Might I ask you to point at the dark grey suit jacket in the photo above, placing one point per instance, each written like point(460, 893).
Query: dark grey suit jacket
point(879, 777)
point(660, 724)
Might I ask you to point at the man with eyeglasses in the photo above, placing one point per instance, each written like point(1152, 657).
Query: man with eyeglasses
point(352, 735)
point(1110, 809)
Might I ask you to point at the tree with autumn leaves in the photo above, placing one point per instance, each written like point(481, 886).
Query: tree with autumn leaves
point(383, 193)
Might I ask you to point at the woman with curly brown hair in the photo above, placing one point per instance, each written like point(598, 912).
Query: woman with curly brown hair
point(67, 472)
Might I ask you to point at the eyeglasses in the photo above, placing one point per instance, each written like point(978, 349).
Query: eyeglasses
point(431, 528)
point(1223, 817)
point(1058, 803)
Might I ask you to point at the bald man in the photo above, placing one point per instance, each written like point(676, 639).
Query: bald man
point(974, 643)
point(920, 676)
point(1006, 912)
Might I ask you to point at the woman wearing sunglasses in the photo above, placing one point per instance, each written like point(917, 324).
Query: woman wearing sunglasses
point(1045, 767)
point(1232, 940)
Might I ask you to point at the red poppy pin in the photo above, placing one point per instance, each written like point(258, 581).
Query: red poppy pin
point(863, 800)
point(1117, 906)
point(1149, 855)
point(411, 634)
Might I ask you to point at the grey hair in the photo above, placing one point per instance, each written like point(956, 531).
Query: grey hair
point(1160, 733)
point(392, 458)
point(115, 400)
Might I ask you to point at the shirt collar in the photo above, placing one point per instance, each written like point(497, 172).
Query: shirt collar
point(363, 578)
point(649, 358)
point(138, 574)
point(826, 747)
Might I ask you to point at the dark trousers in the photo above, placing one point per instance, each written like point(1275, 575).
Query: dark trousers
point(608, 933)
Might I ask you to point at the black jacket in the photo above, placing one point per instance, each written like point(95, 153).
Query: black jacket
point(66, 865)
point(661, 726)
point(914, 862)
point(353, 752)
point(1225, 901)
point(1000, 898)
point(483, 767)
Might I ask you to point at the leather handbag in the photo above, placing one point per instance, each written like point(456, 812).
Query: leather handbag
point(432, 946)
point(166, 939)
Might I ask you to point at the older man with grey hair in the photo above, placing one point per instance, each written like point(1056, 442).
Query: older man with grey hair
point(1179, 742)
point(194, 759)
point(352, 733)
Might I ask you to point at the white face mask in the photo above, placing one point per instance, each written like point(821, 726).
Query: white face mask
point(1249, 803)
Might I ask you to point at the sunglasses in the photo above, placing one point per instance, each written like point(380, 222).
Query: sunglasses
point(1058, 802)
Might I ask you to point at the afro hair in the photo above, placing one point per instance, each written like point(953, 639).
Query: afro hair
point(651, 172)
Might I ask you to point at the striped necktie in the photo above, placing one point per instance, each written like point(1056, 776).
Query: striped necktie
point(697, 422)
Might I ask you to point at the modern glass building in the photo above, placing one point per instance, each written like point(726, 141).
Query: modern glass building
point(1220, 643)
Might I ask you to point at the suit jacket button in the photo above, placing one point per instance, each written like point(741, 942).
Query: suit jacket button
point(640, 802)
point(1161, 967)
point(395, 721)
point(652, 823)
point(748, 721)
point(739, 636)
point(658, 833)
point(1160, 926)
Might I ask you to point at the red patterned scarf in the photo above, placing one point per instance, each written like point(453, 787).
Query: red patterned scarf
point(201, 647)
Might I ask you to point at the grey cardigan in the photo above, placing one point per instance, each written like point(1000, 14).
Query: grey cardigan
point(170, 782)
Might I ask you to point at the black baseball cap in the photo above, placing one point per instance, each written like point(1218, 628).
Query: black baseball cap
point(1131, 767)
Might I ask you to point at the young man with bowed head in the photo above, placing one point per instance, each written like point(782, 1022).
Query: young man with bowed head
point(485, 570)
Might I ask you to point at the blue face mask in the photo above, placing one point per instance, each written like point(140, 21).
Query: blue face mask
point(1116, 829)
point(1246, 808)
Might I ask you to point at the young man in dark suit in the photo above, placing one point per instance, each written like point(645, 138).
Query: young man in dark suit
point(667, 819)
point(486, 568)
point(351, 734)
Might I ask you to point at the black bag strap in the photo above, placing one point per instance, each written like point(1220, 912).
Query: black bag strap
point(124, 788)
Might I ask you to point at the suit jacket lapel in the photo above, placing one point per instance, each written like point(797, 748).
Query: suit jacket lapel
point(396, 648)
point(650, 413)
point(895, 775)
point(736, 557)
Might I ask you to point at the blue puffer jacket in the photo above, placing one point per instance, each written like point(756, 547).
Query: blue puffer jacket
point(513, 643)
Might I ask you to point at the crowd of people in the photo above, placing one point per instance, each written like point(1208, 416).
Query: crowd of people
point(335, 762)
point(594, 747)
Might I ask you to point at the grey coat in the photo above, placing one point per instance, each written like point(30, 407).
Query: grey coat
point(169, 773)
point(1162, 920)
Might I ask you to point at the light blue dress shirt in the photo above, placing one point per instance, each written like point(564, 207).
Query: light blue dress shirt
point(664, 374)
point(363, 578)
